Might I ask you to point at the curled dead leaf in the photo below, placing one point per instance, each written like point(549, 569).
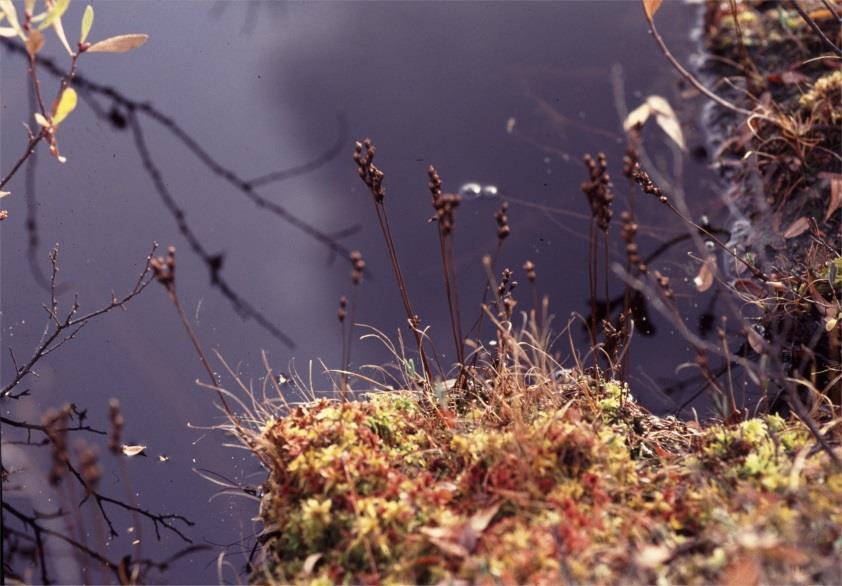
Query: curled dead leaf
point(652, 556)
point(704, 280)
point(664, 115)
point(34, 42)
point(750, 287)
point(744, 571)
point(441, 537)
point(835, 200)
point(132, 450)
point(755, 340)
point(797, 228)
point(480, 520)
point(651, 7)
point(310, 563)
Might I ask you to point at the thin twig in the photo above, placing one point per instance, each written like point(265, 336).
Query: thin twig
point(213, 262)
point(686, 74)
point(53, 335)
point(816, 28)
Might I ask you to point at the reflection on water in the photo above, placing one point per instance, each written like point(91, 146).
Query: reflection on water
point(260, 90)
point(475, 191)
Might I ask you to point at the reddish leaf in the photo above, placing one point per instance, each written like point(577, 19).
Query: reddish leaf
point(744, 571)
point(791, 77)
point(749, 286)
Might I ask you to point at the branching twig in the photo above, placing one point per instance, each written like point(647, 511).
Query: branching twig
point(61, 330)
point(158, 520)
point(213, 262)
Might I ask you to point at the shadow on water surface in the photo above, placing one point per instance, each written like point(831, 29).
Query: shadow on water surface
point(260, 87)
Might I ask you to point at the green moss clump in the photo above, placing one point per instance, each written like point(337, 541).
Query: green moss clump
point(586, 488)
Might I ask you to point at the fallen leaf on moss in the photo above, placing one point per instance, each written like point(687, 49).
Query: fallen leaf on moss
point(744, 571)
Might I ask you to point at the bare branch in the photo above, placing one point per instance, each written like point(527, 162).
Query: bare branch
point(61, 330)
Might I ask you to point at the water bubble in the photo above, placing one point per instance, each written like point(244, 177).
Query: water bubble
point(470, 190)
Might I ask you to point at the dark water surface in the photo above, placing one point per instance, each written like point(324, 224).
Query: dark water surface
point(262, 87)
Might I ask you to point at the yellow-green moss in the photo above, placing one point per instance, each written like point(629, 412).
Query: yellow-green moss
point(385, 490)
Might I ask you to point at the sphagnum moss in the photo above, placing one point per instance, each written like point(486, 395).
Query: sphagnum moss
point(588, 487)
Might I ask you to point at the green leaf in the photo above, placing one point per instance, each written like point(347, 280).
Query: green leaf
point(54, 13)
point(65, 105)
point(87, 23)
point(118, 44)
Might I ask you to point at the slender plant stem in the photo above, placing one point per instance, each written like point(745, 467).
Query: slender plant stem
point(686, 74)
point(816, 28)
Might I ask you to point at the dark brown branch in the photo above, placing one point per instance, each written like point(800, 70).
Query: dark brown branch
point(30, 148)
point(213, 262)
point(40, 531)
point(158, 520)
point(246, 187)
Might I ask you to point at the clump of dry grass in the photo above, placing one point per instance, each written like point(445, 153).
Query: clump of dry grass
point(539, 474)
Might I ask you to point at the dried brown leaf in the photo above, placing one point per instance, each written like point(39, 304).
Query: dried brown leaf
point(790, 77)
point(482, 518)
point(797, 228)
point(751, 287)
point(34, 42)
point(755, 340)
point(744, 571)
point(134, 450)
point(310, 563)
point(667, 119)
point(118, 44)
point(704, 280)
point(835, 193)
point(652, 556)
point(651, 7)
point(637, 117)
point(788, 554)
point(664, 115)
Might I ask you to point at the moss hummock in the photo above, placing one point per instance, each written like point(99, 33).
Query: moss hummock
point(585, 487)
